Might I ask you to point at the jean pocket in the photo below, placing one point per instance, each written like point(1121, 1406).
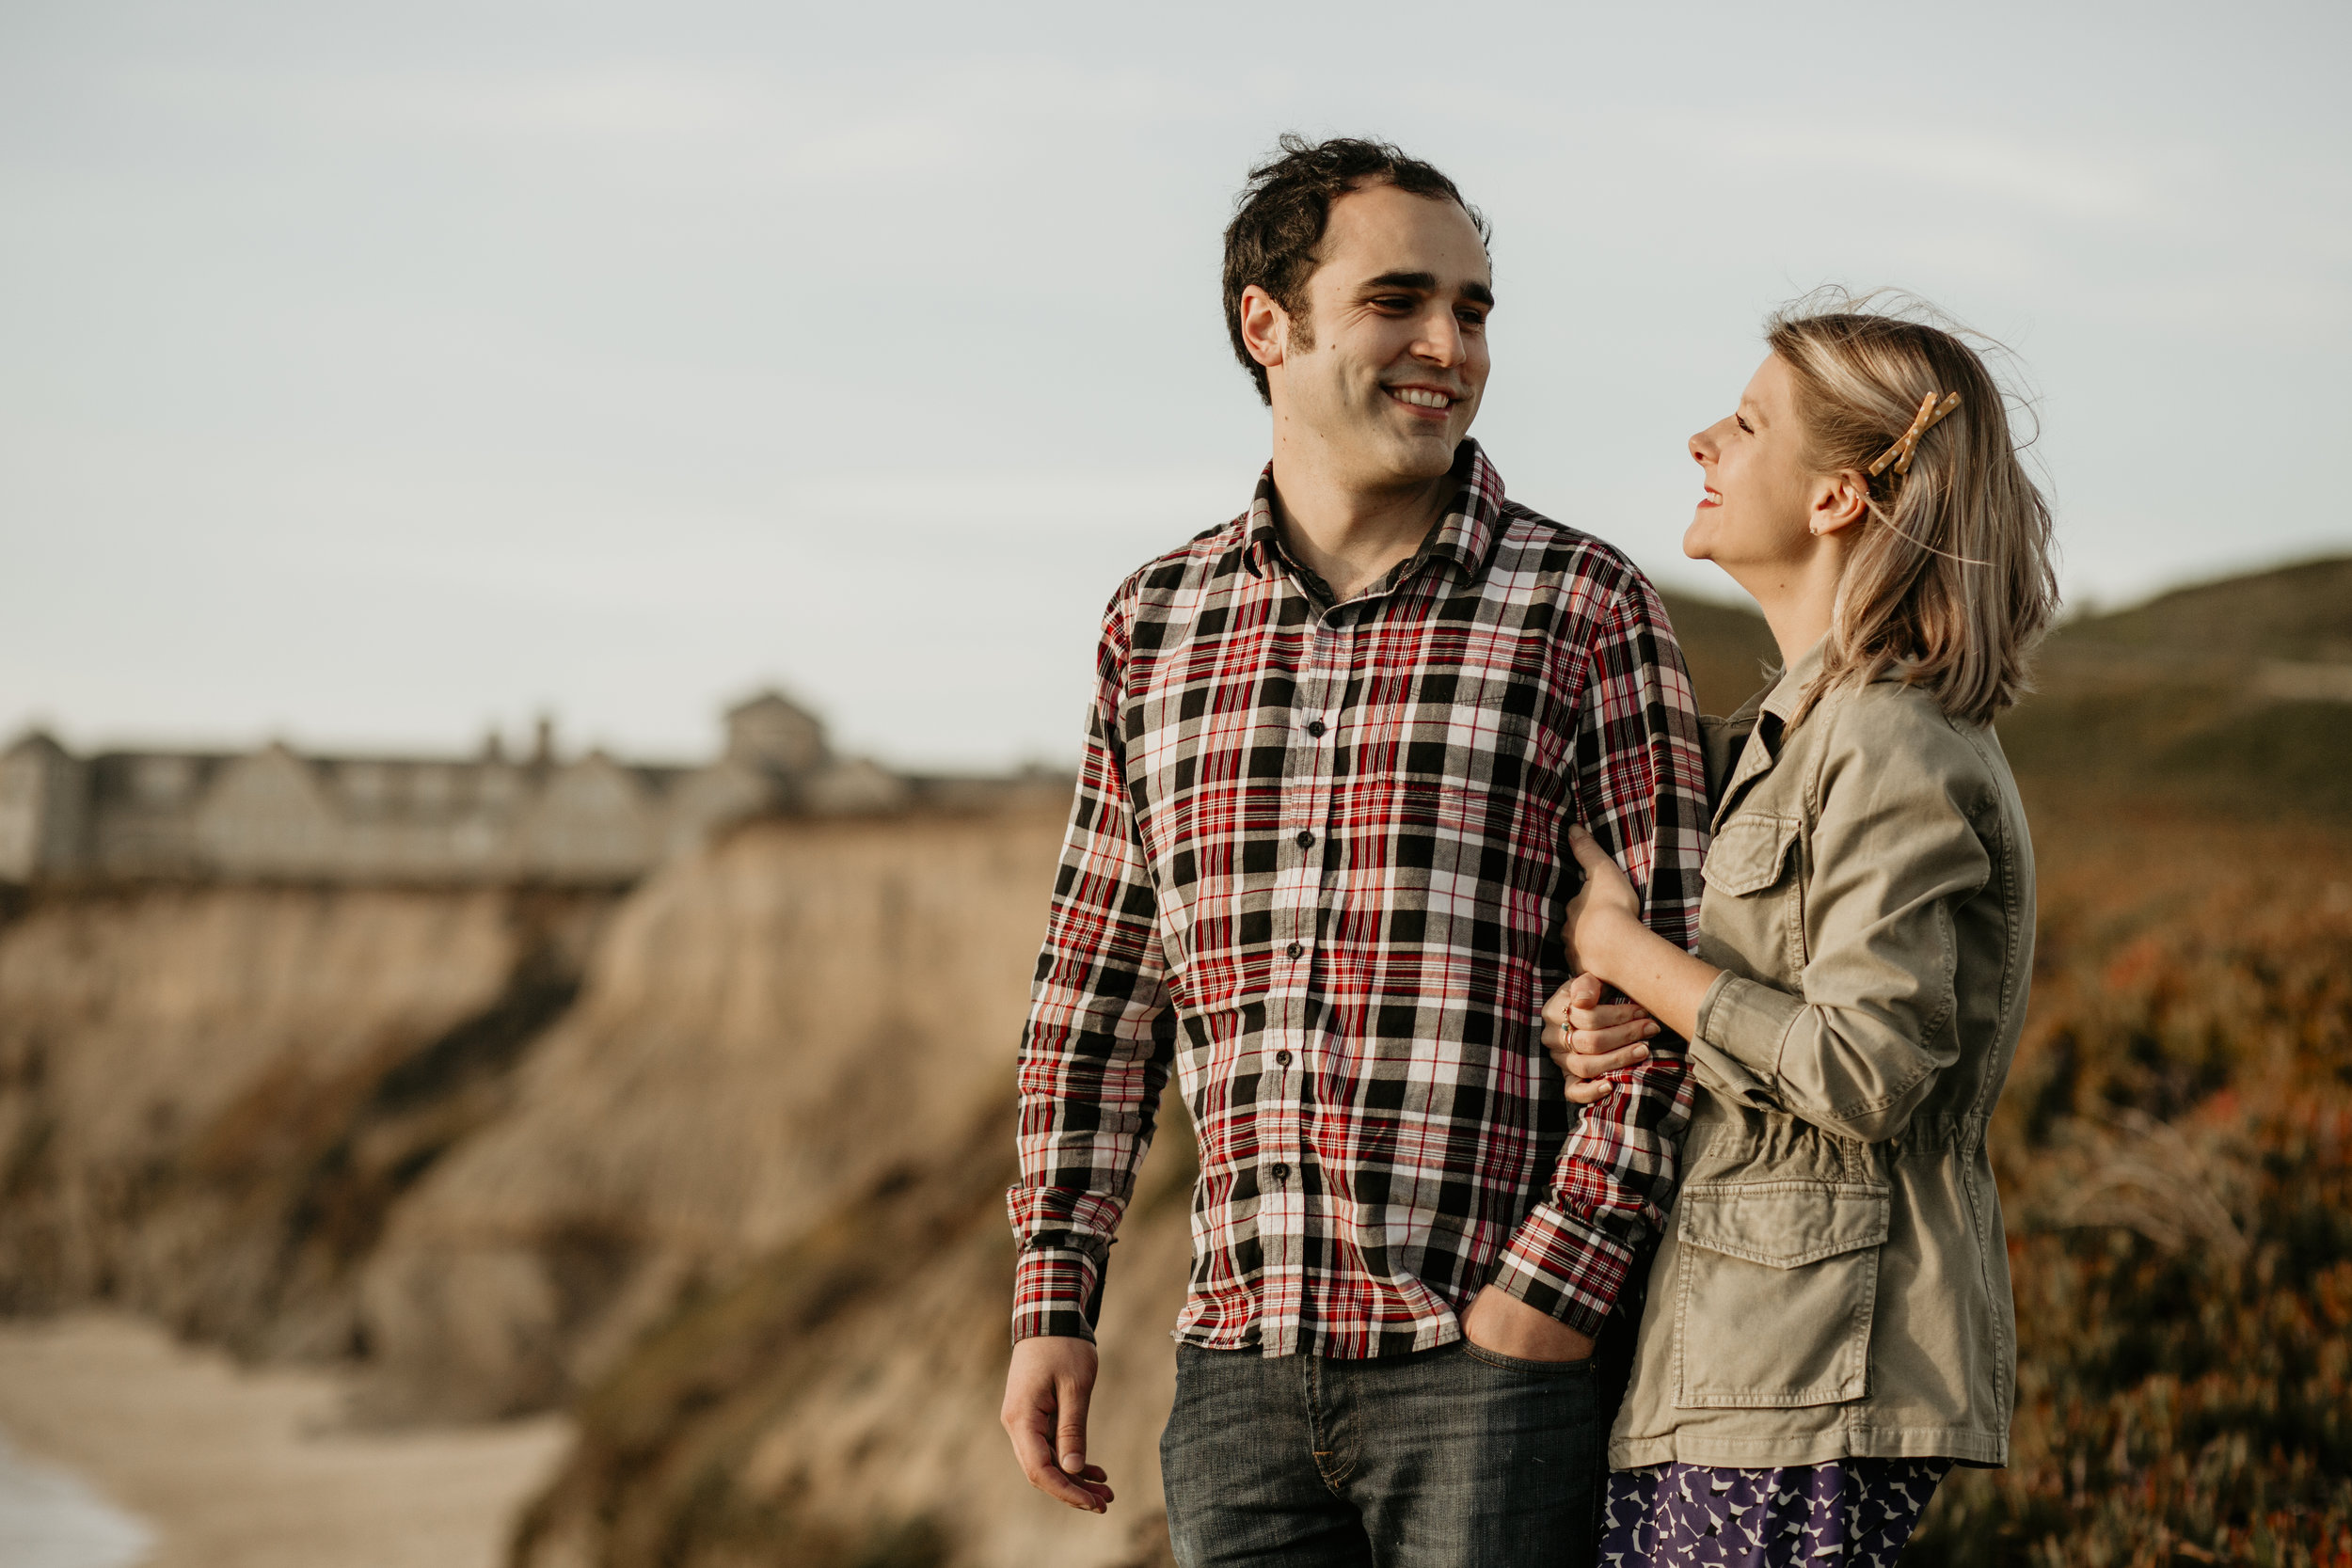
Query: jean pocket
point(1502, 1363)
point(1779, 1282)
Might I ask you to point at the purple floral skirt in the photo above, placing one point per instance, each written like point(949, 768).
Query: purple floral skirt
point(1849, 1510)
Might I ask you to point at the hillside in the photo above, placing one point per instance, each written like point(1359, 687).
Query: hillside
point(2297, 613)
point(2232, 696)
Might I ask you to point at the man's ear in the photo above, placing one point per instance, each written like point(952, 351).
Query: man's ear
point(1839, 502)
point(1265, 326)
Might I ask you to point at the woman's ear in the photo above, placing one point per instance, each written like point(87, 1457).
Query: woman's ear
point(1264, 327)
point(1839, 502)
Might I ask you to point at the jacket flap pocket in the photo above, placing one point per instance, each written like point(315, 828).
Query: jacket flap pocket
point(1748, 853)
point(1782, 1224)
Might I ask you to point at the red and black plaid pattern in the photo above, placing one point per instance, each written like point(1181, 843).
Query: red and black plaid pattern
point(1316, 864)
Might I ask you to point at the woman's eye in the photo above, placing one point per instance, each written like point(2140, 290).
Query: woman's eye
point(1741, 420)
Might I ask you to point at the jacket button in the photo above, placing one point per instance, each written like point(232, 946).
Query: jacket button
point(1295, 950)
point(1315, 728)
point(1281, 1173)
point(1282, 1057)
point(1306, 840)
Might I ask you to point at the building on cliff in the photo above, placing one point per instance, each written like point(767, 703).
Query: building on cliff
point(280, 815)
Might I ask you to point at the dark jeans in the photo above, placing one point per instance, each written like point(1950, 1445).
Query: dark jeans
point(1449, 1458)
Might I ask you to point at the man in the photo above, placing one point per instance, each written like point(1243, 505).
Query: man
point(1317, 863)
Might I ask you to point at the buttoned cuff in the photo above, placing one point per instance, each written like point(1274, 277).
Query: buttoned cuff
point(1056, 1293)
point(1561, 1266)
point(1749, 1022)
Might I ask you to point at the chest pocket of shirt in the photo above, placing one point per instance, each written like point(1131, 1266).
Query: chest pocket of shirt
point(1755, 897)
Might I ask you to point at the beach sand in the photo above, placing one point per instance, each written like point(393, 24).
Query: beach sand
point(231, 1467)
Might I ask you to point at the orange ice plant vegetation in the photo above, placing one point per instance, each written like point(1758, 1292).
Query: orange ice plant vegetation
point(2175, 1154)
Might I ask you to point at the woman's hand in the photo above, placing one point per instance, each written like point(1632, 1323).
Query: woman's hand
point(1605, 909)
point(1589, 1042)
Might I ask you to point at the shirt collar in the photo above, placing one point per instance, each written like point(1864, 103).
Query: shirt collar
point(1465, 535)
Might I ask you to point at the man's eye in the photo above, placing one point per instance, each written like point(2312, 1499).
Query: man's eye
point(1471, 318)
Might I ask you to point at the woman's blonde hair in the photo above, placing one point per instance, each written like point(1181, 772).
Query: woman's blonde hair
point(1951, 584)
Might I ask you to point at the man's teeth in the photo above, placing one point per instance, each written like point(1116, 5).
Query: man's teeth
point(1420, 399)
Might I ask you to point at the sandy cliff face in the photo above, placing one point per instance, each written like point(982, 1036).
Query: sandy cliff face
point(835, 1402)
point(210, 1098)
point(765, 1029)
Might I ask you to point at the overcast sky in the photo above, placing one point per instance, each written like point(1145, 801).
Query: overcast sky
point(374, 376)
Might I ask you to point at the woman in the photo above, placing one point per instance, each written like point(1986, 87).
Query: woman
point(1828, 1327)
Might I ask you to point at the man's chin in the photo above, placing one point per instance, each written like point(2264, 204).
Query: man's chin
point(1420, 456)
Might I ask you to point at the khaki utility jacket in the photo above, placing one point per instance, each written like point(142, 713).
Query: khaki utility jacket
point(1834, 1280)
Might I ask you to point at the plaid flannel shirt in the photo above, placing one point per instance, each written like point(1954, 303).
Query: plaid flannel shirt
point(1316, 865)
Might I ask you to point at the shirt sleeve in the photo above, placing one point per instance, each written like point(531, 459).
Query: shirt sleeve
point(1096, 1048)
point(1642, 793)
point(1894, 855)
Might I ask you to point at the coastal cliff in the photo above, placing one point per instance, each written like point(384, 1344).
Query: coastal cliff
point(210, 1098)
point(764, 1030)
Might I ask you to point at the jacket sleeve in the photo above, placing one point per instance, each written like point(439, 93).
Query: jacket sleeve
point(1096, 1048)
point(1642, 793)
point(1894, 855)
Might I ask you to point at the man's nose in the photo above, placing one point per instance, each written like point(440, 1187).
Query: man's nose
point(1442, 341)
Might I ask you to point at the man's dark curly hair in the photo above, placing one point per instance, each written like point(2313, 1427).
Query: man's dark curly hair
point(1280, 218)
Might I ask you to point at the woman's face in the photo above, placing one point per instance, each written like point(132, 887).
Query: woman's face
point(1759, 500)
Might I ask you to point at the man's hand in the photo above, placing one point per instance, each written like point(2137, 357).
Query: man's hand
point(1501, 1323)
point(1046, 1394)
point(1588, 1041)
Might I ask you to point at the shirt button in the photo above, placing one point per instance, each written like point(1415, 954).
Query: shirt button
point(1281, 1173)
point(1295, 950)
point(1306, 840)
point(1283, 1057)
point(1315, 727)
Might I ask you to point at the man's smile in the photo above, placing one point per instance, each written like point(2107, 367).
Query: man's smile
point(1428, 401)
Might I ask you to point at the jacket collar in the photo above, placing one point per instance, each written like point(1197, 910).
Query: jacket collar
point(1782, 701)
point(1769, 713)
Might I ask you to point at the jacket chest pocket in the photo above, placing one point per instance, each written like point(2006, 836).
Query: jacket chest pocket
point(1778, 1283)
point(1755, 900)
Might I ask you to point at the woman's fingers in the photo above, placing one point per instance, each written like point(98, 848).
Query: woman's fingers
point(1595, 1042)
point(1581, 1093)
point(1589, 1065)
point(1559, 1038)
point(1569, 1009)
point(1582, 990)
